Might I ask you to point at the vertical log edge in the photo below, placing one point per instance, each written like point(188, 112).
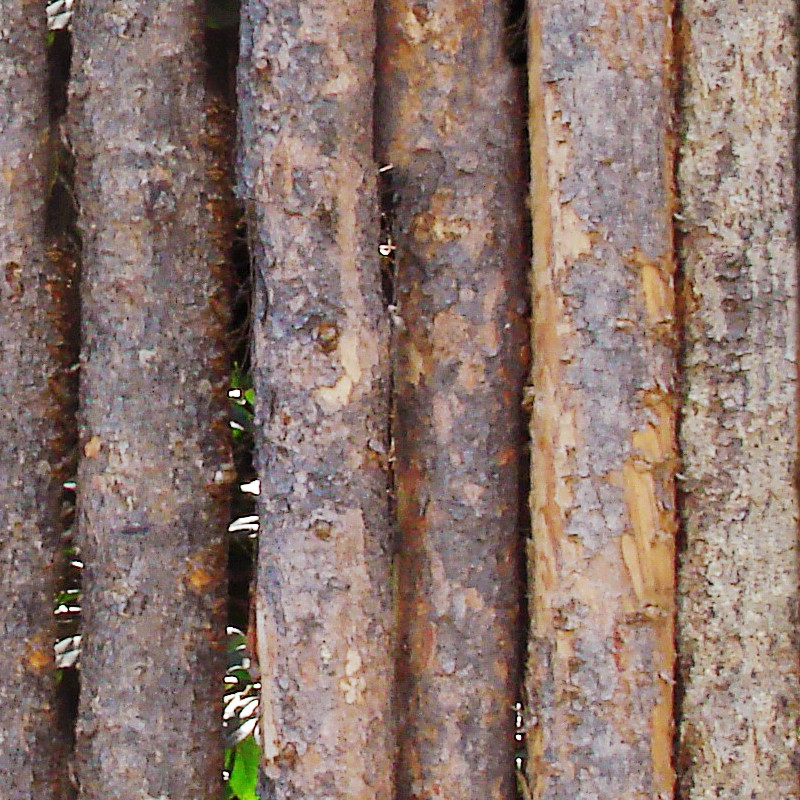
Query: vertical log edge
point(33, 440)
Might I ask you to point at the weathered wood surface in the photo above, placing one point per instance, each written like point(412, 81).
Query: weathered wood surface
point(33, 445)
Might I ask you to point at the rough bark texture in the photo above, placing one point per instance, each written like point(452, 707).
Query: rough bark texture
point(321, 378)
point(32, 440)
point(738, 579)
point(155, 467)
point(603, 441)
point(451, 123)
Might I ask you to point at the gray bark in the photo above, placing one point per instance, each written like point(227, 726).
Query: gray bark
point(601, 567)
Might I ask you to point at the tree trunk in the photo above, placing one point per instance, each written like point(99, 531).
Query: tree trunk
point(33, 403)
point(155, 468)
point(324, 589)
point(451, 124)
point(603, 516)
point(738, 578)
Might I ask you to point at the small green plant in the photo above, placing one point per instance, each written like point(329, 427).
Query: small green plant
point(242, 397)
point(241, 769)
point(240, 721)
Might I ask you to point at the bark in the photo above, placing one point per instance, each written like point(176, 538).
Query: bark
point(33, 401)
point(603, 514)
point(451, 123)
point(321, 379)
point(738, 578)
point(155, 469)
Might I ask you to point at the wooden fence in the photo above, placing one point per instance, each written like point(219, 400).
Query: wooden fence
point(525, 428)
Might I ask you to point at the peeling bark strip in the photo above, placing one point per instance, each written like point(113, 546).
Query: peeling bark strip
point(32, 448)
point(451, 123)
point(738, 579)
point(155, 468)
point(321, 378)
point(603, 440)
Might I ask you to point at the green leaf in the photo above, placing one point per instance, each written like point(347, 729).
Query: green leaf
point(236, 670)
point(244, 775)
point(236, 376)
point(241, 416)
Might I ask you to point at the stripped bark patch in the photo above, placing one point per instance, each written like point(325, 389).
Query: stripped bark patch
point(601, 567)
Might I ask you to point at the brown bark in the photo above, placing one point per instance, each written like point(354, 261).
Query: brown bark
point(32, 404)
point(153, 480)
point(451, 124)
point(321, 378)
point(603, 517)
point(738, 578)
